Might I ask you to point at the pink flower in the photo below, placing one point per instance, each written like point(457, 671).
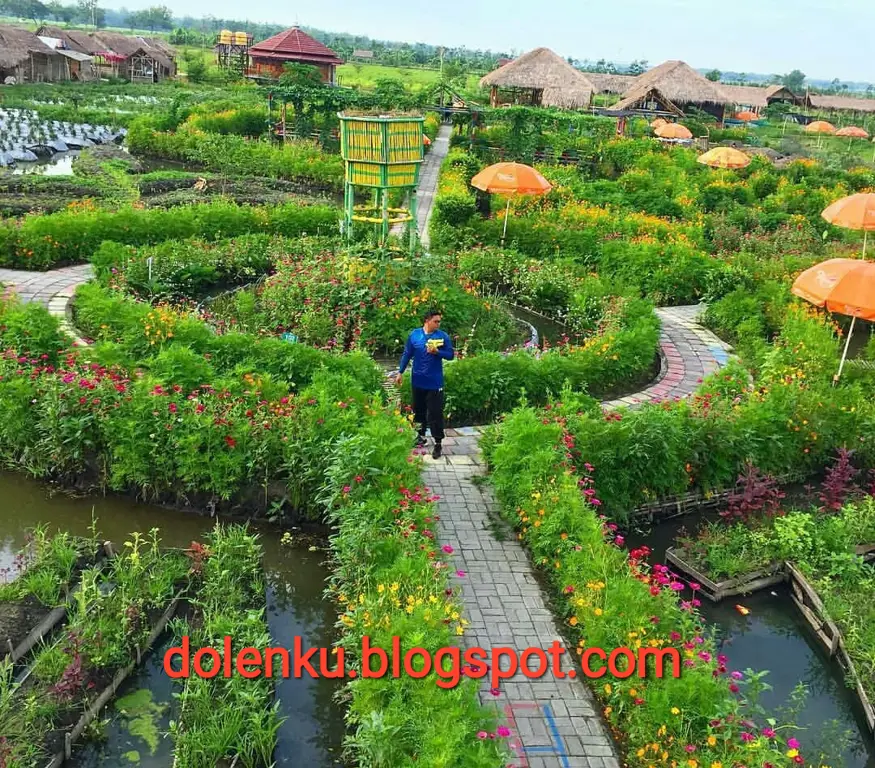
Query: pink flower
point(495, 692)
point(448, 549)
point(503, 731)
point(460, 574)
point(694, 586)
point(346, 489)
point(745, 736)
point(690, 748)
point(793, 743)
point(620, 540)
point(736, 675)
point(768, 733)
point(482, 735)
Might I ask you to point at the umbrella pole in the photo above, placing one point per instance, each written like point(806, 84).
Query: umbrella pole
point(506, 214)
point(865, 241)
point(845, 353)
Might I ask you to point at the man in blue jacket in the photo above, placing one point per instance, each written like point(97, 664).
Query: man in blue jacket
point(428, 347)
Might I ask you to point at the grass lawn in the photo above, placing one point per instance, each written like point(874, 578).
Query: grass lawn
point(366, 76)
point(862, 149)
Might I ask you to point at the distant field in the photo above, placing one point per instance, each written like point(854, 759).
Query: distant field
point(366, 76)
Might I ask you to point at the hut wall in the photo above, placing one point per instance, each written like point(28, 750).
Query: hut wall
point(274, 68)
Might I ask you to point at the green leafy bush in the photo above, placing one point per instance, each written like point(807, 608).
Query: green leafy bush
point(43, 242)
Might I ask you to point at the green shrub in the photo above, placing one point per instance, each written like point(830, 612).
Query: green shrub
point(44, 242)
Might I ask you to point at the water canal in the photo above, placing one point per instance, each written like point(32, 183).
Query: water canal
point(139, 719)
point(775, 637)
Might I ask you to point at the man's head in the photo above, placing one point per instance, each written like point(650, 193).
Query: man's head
point(431, 321)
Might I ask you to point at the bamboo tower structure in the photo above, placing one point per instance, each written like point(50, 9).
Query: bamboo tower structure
point(382, 154)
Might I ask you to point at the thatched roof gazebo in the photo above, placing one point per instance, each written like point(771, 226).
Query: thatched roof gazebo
point(606, 82)
point(28, 59)
point(757, 98)
point(675, 85)
point(540, 78)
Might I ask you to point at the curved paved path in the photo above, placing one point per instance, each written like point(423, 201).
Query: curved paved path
point(53, 289)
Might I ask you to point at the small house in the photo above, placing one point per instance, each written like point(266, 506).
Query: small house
point(25, 58)
point(131, 58)
point(268, 58)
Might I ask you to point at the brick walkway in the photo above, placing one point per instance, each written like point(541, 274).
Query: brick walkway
point(428, 180)
point(554, 723)
point(53, 290)
point(688, 352)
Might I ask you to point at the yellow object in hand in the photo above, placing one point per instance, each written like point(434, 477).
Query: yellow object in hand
point(434, 344)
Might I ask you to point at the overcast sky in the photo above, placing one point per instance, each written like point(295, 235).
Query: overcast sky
point(823, 38)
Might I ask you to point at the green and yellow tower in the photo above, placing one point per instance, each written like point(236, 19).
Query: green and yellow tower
point(382, 153)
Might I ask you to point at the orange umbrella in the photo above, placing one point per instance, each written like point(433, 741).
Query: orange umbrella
point(426, 141)
point(846, 286)
point(820, 126)
point(673, 131)
point(724, 157)
point(853, 212)
point(511, 179)
point(747, 116)
point(658, 123)
point(853, 132)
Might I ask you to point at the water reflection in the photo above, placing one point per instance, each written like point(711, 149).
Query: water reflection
point(774, 637)
point(313, 731)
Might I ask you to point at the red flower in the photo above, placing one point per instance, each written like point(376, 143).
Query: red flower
point(230, 441)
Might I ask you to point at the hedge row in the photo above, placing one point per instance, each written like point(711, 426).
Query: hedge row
point(791, 424)
point(180, 348)
point(43, 242)
point(300, 161)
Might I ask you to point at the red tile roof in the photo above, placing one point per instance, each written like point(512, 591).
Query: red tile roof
point(295, 45)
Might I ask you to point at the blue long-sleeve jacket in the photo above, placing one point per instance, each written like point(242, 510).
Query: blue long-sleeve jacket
point(428, 370)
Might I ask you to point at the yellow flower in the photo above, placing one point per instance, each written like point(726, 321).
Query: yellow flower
point(716, 765)
point(675, 711)
point(573, 621)
point(712, 741)
point(380, 588)
point(608, 689)
point(598, 611)
point(633, 692)
point(792, 752)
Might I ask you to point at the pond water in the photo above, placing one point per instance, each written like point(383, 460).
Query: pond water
point(60, 164)
point(314, 727)
point(774, 637)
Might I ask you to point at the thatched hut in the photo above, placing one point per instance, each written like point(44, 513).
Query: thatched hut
point(540, 78)
point(28, 59)
point(73, 39)
point(606, 82)
point(131, 58)
point(756, 98)
point(675, 84)
point(843, 104)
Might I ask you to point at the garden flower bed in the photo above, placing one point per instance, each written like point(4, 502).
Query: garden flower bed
point(40, 242)
point(38, 589)
point(116, 615)
point(226, 719)
point(612, 598)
